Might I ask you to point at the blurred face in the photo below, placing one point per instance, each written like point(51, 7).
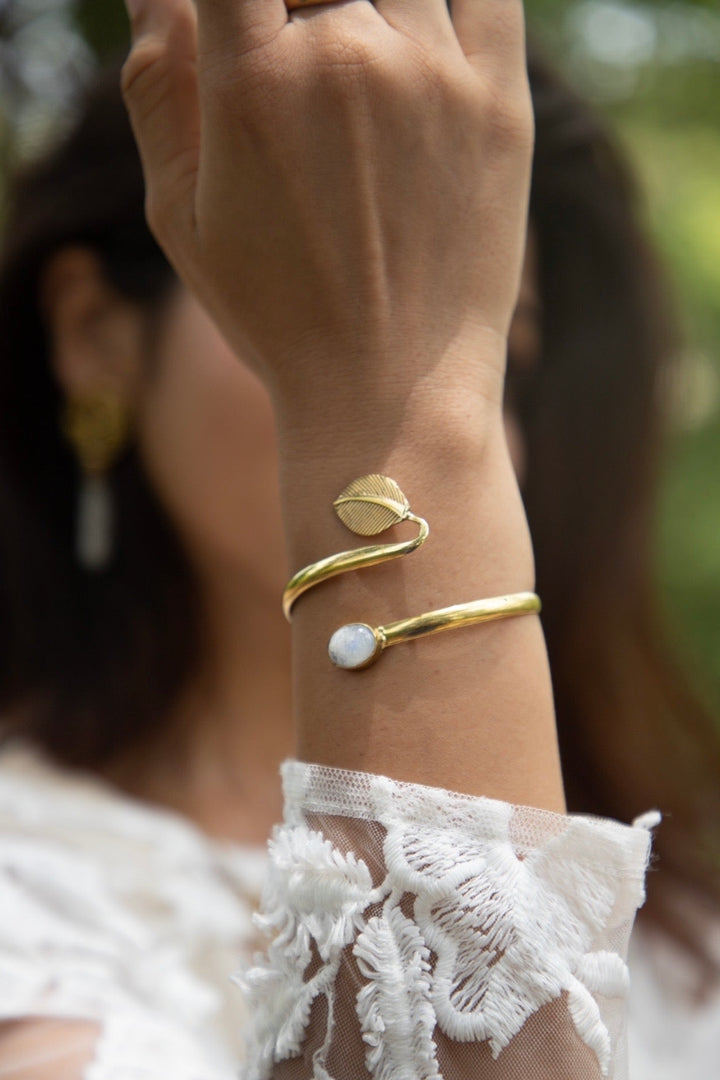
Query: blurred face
point(207, 437)
point(206, 434)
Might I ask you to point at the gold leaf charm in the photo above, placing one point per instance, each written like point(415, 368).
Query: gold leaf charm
point(371, 504)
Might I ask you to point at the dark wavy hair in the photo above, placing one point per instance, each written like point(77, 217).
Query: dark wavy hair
point(92, 664)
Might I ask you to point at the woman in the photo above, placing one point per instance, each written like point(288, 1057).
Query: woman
point(156, 713)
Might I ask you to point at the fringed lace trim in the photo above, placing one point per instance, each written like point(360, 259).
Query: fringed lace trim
point(486, 913)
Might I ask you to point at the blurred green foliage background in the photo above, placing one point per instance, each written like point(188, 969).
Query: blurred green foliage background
point(653, 66)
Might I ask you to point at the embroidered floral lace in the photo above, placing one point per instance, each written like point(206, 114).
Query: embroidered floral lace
point(419, 935)
point(413, 934)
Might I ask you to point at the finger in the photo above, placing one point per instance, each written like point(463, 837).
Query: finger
point(492, 36)
point(426, 20)
point(159, 83)
point(230, 29)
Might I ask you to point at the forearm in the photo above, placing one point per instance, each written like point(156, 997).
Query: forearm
point(353, 218)
point(470, 710)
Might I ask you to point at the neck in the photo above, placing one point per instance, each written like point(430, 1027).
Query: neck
point(218, 764)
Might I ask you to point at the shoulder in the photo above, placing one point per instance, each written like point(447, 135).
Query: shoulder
point(119, 1047)
point(83, 864)
point(46, 1049)
point(107, 905)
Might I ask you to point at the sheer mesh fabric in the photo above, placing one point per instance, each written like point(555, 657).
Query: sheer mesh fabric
point(415, 934)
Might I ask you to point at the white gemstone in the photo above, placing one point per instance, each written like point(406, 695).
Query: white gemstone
point(352, 646)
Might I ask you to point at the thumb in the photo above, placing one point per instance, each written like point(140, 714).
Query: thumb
point(159, 84)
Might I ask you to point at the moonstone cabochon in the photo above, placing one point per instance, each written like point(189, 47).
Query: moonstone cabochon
point(352, 646)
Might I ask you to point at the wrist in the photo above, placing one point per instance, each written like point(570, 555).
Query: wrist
point(441, 433)
point(353, 404)
point(455, 472)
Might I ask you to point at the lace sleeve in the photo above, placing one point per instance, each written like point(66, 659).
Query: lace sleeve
point(417, 934)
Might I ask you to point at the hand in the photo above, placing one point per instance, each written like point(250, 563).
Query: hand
point(345, 188)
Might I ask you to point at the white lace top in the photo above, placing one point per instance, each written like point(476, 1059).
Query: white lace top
point(413, 934)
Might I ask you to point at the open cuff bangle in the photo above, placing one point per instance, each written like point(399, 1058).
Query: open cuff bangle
point(358, 645)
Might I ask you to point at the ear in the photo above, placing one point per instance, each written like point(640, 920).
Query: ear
point(97, 337)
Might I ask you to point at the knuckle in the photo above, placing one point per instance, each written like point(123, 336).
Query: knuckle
point(419, 75)
point(142, 69)
point(346, 58)
point(507, 32)
point(509, 118)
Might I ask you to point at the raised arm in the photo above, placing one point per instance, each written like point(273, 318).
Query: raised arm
point(346, 189)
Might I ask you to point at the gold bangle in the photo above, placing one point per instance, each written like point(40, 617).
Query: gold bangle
point(367, 506)
point(357, 645)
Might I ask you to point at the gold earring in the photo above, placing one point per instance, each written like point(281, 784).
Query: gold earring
point(98, 428)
